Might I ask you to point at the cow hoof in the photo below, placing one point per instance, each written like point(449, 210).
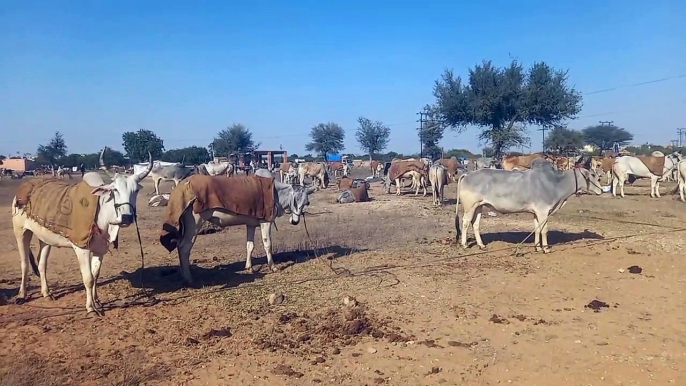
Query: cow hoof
point(94, 313)
point(20, 300)
point(273, 268)
point(546, 250)
point(50, 296)
point(250, 269)
point(482, 247)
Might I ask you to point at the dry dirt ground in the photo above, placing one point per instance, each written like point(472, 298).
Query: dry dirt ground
point(426, 311)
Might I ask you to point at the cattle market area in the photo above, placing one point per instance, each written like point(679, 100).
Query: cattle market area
point(373, 293)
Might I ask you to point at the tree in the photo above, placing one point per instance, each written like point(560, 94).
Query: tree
point(234, 139)
point(457, 153)
point(487, 151)
point(54, 150)
point(372, 136)
point(192, 155)
point(326, 138)
point(429, 136)
point(604, 137)
point(138, 144)
point(294, 156)
point(564, 140)
point(502, 101)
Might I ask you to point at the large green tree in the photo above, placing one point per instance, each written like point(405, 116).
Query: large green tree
point(430, 135)
point(502, 101)
point(603, 137)
point(53, 151)
point(234, 139)
point(564, 140)
point(372, 136)
point(138, 143)
point(192, 155)
point(326, 138)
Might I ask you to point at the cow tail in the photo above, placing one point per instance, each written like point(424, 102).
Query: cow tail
point(457, 205)
point(32, 261)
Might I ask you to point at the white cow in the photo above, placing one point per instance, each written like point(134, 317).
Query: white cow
point(117, 208)
point(219, 168)
point(623, 166)
point(438, 176)
point(681, 178)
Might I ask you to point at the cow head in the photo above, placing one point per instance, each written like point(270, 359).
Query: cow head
point(118, 198)
point(592, 180)
point(298, 201)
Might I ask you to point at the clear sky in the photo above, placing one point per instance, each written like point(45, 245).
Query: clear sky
point(95, 69)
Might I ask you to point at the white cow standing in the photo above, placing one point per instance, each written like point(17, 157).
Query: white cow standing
point(219, 168)
point(623, 166)
point(117, 208)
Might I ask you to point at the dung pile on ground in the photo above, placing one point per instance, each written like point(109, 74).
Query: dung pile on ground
point(307, 333)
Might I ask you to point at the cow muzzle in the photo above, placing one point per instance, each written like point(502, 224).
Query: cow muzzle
point(295, 219)
point(126, 220)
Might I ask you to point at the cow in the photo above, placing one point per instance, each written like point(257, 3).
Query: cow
point(217, 168)
point(339, 168)
point(262, 172)
point(61, 172)
point(660, 167)
point(438, 176)
point(681, 178)
point(116, 209)
point(451, 165)
point(520, 162)
point(315, 170)
point(293, 198)
point(348, 183)
point(414, 169)
point(541, 191)
point(356, 194)
point(175, 172)
point(287, 173)
point(376, 167)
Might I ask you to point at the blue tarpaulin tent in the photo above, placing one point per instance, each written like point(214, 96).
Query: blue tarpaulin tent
point(333, 157)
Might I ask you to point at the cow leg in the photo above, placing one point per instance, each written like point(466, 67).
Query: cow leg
point(544, 236)
point(266, 230)
point(84, 258)
point(96, 263)
point(682, 186)
point(657, 185)
point(23, 244)
point(157, 186)
point(43, 267)
point(249, 246)
point(397, 186)
point(423, 182)
point(537, 234)
point(191, 225)
point(477, 234)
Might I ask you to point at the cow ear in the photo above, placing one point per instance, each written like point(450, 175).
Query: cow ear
point(102, 189)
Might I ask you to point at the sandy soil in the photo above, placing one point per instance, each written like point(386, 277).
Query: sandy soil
point(425, 312)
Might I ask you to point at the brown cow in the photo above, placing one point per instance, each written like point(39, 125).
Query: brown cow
point(316, 171)
point(374, 167)
point(520, 162)
point(358, 194)
point(451, 165)
point(287, 172)
point(417, 170)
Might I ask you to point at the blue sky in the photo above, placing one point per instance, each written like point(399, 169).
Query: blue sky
point(186, 70)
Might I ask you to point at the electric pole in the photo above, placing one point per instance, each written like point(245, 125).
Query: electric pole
point(543, 129)
point(421, 133)
point(682, 132)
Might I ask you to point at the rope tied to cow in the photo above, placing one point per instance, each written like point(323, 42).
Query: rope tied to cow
point(152, 300)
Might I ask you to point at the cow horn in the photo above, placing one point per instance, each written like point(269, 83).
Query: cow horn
point(139, 177)
point(102, 164)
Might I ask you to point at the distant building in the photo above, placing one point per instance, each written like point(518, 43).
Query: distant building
point(18, 164)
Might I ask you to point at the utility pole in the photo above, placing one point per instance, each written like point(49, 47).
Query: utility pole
point(682, 133)
point(543, 129)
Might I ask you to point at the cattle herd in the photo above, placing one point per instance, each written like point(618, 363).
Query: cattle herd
point(539, 184)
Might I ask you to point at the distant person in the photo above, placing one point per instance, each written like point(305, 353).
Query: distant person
point(82, 169)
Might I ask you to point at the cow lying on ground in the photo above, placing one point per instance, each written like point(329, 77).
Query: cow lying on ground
point(541, 191)
point(356, 194)
point(347, 183)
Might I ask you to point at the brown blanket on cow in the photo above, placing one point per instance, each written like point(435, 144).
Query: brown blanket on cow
point(656, 165)
point(252, 196)
point(399, 168)
point(345, 183)
point(66, 209)
point(360, 194)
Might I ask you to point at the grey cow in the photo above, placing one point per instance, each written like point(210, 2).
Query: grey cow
point(540, 191)
point(176, 172)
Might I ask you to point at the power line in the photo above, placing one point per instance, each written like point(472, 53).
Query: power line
point(635, 84)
